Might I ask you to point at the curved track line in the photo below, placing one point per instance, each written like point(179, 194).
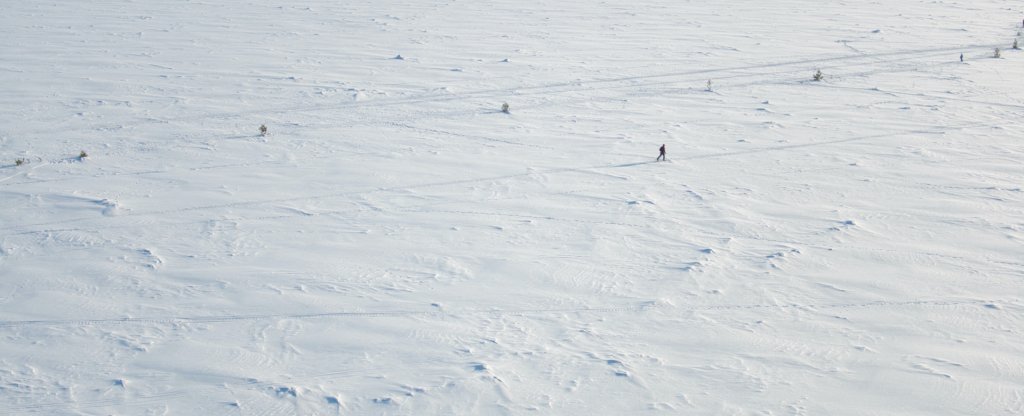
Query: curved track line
point(638, 307)
point(546, 88)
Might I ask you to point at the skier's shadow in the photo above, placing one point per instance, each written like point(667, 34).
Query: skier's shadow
point(626, 165)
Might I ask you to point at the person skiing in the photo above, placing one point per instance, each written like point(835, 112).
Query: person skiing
point(961, 57)
point(661, 156)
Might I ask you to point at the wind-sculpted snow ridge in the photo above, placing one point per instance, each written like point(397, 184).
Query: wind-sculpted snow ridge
point(456, 208)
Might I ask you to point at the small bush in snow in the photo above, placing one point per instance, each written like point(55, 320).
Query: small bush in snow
point(997, 53)
point(83, 155)
point(504, 108)
point(818, 76)
point(263, 129)
point(19, 162)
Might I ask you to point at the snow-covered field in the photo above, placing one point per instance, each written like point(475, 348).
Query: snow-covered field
point(398, 245)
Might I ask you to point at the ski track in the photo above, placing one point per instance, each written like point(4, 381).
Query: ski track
point(494, 313)
point(493, 178)
point(805, 66)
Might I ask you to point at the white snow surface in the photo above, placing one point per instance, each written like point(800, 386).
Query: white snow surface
point(398, 245)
